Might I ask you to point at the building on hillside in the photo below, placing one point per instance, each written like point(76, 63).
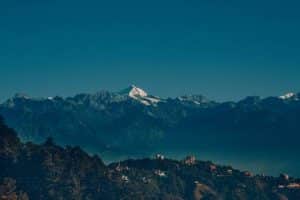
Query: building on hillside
point(284, 177)
point(190, 160)
point(146, 180)
point(160, 173)
point(293, 186)
point(120, 168)
point(213, 168)
point(248, 174)
point(229, 171)
point(159, 157)
point(125, 178)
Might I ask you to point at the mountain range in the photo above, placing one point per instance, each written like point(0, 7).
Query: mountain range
point(133, 123)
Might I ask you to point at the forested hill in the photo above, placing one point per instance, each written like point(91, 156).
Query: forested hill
point(50, 172)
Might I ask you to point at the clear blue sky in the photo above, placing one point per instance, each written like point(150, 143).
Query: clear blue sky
point(222, 49)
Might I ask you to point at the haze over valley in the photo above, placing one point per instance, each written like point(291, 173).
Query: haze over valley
point(258, 134)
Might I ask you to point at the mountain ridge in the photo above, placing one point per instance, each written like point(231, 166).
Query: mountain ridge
point(113, 123)
point(134, 91)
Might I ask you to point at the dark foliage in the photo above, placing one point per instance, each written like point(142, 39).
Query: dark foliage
point(50, 172)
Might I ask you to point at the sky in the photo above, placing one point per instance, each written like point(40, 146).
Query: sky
point(225, 50)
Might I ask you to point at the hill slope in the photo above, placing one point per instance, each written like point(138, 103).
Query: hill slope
point(48, 171)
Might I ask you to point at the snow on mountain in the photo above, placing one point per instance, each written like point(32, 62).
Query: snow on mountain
point(288, 96)
point(140, 95)
point(183, 99)
point(194, 99)
point(137, 92)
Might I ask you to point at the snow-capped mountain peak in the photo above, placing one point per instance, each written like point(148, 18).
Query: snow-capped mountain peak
point(287, 96)
point(140, 95)
point(133, 91)
point(137, 92)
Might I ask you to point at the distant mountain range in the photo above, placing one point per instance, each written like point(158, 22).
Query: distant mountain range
point(132, 122)
point(50, 172)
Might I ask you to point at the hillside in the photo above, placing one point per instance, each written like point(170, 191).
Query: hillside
point(48, 171)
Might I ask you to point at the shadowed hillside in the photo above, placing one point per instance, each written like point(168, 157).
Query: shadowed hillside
point(48, 171)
